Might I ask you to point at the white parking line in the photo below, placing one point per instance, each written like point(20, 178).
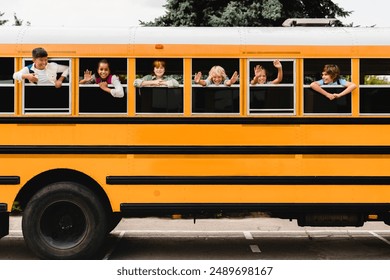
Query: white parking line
point(13, 237)
point(255, 248)
point(248, 235)
point(380, 237)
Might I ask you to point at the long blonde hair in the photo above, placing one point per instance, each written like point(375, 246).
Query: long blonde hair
point(217, 70)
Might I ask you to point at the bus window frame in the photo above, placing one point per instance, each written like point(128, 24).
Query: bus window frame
point(10, 84)
point(293, 84)
point(124, 85)
point(329, 60)
point(148, 71)
point(67, 84)
point(363, 86)
point(229, 73)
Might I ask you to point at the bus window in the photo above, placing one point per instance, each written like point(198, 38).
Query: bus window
point(46, 98)
point(271, 91)
point(374, 86)
point(93, 99)
point(159, 85)
point(214, 98)
point(7, 99)
point(316, 103)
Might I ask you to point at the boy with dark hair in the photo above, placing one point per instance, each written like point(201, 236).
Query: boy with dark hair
point(39, 52)
point(42, 71)
point(330, 77)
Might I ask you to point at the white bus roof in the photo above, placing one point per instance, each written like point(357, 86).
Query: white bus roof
point(306, 36)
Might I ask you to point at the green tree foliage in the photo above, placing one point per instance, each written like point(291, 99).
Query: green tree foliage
point(17, 21)
point(376, 80)
point(2, 22)
point(243, 12)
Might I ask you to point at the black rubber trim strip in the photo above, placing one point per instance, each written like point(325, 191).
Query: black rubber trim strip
point(159, 208)
point(248, 180)
point(9, 180)
point(197, 120)
point(228, 150)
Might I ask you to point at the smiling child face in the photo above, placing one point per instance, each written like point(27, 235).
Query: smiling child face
point(40, 62)
point(103, 70)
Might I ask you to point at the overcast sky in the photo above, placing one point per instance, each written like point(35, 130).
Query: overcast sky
point(129, 12)
point(82, 12)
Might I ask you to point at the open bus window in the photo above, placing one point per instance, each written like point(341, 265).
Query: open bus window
point(93, 99)
point(316, 103)
point(159, 85)
point(374, 86)
point(46, 98)
point(272, 91)
point(7, 96)
point(215, 98)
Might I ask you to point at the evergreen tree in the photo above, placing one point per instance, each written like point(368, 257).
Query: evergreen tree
point(2, 22)
point(17, 21)
point(243, 12)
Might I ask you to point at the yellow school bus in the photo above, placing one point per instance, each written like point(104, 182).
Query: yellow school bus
point(75, 159)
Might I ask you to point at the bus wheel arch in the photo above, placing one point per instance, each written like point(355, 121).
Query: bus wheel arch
point(48, 177)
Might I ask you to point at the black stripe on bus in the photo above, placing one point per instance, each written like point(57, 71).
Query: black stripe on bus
point(248, 180)
point(159, 208)
point(197, 120)
point(180, 150)
point(9, 180)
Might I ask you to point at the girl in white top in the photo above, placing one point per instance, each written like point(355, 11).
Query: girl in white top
point(104, 78)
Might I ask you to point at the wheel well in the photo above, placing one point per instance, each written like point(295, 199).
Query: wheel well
point(57, 175)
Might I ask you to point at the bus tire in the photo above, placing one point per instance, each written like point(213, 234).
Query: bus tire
point(65, 220)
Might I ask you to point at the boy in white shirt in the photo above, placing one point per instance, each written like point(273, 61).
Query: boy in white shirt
point(42, 71)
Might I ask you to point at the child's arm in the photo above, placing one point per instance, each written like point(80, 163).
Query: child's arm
point(23, 74)
point(117, 91)
point(198, 80)
point(232, 80)
point(349, 87)
point(279, 78)
point(87, 77)
point(256, 69)
point(316, 86)
point(64, 70)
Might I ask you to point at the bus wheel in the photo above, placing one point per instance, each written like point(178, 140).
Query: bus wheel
point(64, 220)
